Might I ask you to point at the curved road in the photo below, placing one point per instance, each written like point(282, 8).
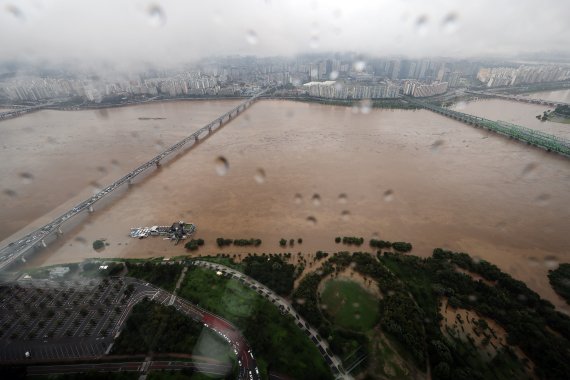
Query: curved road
point(333, 361)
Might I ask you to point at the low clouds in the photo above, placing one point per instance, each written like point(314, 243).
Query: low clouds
point(126, 33)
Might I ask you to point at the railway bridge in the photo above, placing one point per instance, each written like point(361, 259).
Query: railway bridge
point(529, 136)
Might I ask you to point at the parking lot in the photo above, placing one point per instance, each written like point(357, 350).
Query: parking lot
point(53, 320)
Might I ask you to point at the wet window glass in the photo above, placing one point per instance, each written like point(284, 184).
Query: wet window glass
point(284, 190)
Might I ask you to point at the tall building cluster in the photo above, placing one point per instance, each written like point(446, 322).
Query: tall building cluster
point(327, 76)
point(525, 74)
point(418, 89)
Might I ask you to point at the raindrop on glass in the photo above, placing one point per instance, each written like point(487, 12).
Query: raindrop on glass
point(156, 17)
point(359, 66)
point(316, 199)
point(388, 196)
point(550, 262)
point(436, 146)
point(158, 145)
point(314, 43)
point(333, 75)
point(222, 166)
point(9, 192)
point(259, 176)
point(421, 25)
point(472, 298)
point(251, 37)
point(345, 215)
point(365, 106)
point(342, 198)
point(15, 12)
point(312, 220)
point(449, 23)
point(26, 178)
point(543, 199)
point(298, 199)
point(529, 168)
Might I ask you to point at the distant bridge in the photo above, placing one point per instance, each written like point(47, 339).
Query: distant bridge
point(519, 98)
point(16, 250)
point(19, 112)
point(539, 139)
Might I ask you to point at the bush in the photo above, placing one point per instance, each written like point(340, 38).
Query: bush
point(98, 244)
point(380, 243)
point(337, 239)
point(282, 242)
point(402, 246)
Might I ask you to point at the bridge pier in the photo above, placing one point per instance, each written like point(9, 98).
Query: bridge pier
point(91, 208)
point(157, 163)
point(43, 243)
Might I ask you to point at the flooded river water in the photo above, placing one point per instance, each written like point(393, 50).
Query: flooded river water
point(298, 170)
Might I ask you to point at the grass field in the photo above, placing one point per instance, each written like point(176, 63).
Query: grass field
point(349, 305)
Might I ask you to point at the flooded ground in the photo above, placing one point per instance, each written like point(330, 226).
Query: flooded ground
point(314, 172)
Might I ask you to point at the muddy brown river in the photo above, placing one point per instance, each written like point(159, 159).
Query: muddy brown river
point(296, 170)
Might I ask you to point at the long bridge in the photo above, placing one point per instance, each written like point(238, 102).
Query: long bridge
point(19, 112)
point(519, 98)
point(529, 136)
point(16, 250)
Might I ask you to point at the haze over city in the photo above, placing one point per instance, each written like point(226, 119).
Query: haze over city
point(131, 34)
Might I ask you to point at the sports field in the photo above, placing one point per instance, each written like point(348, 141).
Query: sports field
point(349, 305)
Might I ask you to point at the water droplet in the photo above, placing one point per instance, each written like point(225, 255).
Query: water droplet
point(543, 199)
point(96, 188)
point(529, 168)
point(222, 166)
point(102, 113)
point(533, 261)
point(449, 23)
point(521, 297)
point(15, 12)
point(421, 25)
point(312, 220)
point(359, 66)
point(472, 298)
point(300, 301)
point(461, 105)
point(26, 178)
point(251, 37)
point(295, 81)
point(550, 262)
point(259, 176)
point(388, 196)
point(159, 145)
point(314, 43)
point(365, 106)
point(333, 75)
point(476, 259)
point(9, 192)
point(81, 240)
point(156, 17)
point(391, 293)
point(355, 304)
point(345, 215)
point(298, 199)
point(102, 169)
point(316, 199)
point(436, 146)
point(324, 307)
point(342, 198)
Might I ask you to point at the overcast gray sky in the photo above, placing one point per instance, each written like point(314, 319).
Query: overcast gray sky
point(166, 32)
